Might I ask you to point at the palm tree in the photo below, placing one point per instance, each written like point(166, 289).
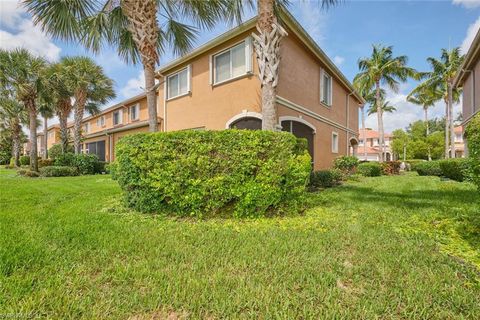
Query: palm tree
point(90, 87)
point(440, 79)
point(24, 72)
point(386, 108)
point(425, 97)
point(382, 68)
point(46, 111)
point(267, 48)
point(131, 26)
point(12, 116)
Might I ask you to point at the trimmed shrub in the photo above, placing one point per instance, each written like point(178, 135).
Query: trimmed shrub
point(391, 167)
point(45, 163)
point(111, 168)
point(194, 173)
point(347, 164)
point(56, 150)
point(326, 178)
point(86, 163)
point(455, 169)
point(58, 171)
point(25, 160)
point(370, 169)
point(28, 173)
point(428, 168)
point(472, 134)
point(64, 160)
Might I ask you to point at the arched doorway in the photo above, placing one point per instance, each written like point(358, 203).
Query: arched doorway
point(388, 156)
point(300, 129)
point(247, 123)
point(354, 146)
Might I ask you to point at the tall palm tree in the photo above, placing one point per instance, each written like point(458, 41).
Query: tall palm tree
point(46, 112)
point(440, 79)
point(267, 47)
point(25, 72)
point(12, 116)
point(385, 106)
point(133, 28)
point(382, 68)
point(90, 87)
point(426, 98)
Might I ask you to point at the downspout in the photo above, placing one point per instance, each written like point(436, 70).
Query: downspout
point(348, 121)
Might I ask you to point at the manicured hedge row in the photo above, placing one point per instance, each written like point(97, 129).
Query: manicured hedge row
point(427, 168)
point(58, 171)
point(455, 169)
point(370, 169)
point(85, 163)
point(326, 178)
point(194, 173)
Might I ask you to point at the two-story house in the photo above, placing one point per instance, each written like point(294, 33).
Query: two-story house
point(369, 145)
point(468, 78)
point(216, 87)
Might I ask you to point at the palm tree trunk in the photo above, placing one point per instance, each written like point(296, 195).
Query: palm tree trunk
point(32, 110)
point(425, 111)
point(380, 120)
point(62, 117)
point(447, 131)
point(45, 137)
point(80, 100)
point(452, 127)
point(143, 25)
point(16, 141)
point(267, 48)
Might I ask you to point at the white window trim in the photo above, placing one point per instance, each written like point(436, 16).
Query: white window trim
point(248, 62)
point(137, 107)
point(120, 112)
point(322, 74)
point(86, 127)
point(189, 90)
point(335, 147)
point(100, 120)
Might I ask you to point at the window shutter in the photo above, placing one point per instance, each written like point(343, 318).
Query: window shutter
point(210, 60)
point(330, 91)
point(322, 98)
point(249, 53)
point(189, 78)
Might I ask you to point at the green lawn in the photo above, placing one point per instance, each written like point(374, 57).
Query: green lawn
point(388, 247)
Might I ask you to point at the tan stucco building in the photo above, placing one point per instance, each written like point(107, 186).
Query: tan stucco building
point(216, 87)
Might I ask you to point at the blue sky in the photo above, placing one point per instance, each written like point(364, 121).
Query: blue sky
point(346, 32)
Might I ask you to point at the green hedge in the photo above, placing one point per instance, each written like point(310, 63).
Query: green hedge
point(194, 173)
point(472, 134)
point(326, 178)
point(28, 173)
point(45, 163)
point(56, 150)
point(370, 169)
point(428, 168)
point(455, 169)
point(58, 171)
point(86, 163)
point(25, 160)
point(347, 164)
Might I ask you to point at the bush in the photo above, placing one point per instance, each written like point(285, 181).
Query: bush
point(56, 150)
point(326, 178)
point(86, 163)
point(428, 168)
point(24, 160)
point(28, 173)
point(391, 167)
point(347, 164)
point(64, 160)
point(455, 169)
point(472, 134)
point(45, 163)
point(192, 173)
point(58, 171)
point(111, 168)
point(370, 169)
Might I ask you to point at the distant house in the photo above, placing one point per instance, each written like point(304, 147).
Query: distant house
point(459, 142)
point(468, 78)
point(369, 145)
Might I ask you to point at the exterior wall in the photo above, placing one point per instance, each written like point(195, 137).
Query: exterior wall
point(471, 93)
point(211, 106)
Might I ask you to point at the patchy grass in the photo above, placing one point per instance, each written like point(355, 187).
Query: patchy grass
point(375, 248)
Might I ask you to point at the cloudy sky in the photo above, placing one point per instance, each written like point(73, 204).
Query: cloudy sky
point(418, 29)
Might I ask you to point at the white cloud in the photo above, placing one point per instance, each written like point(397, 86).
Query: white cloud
point(134, 86)
point(313, 19)
point(17, 30)
point(469, 4)
point(471, 33)
point(338, 60)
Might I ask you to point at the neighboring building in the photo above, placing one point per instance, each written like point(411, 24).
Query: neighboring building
point(468, 78)
point(459, 142)
point(216, 87)
point(369, 146)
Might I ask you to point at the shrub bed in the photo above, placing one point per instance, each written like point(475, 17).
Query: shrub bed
point(28, 173)
point(45, 163)
point(192, 173)
point(427, 168)
point(370, 169)
point(86, 163)
point(455, 169)
point(347, 164)
point(58, 171)
point(326, 178)
point(391, 167)
point(24, 160)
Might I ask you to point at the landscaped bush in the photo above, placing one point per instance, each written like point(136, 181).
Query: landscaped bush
point(391, 167)
point(326, 178)
point(472, 133)
point(64, 160)
point(195, 173)
point(56, 150)
point(28, 173)
point(370, 169)
point(410, 164)
point(111, 168)
point(58, 171)
point(428, 168)
point(347, 164)
point(455, 169)
point(86, 163)
point(45, 163)
point(25, 160)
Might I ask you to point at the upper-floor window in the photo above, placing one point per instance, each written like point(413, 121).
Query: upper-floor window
point(325, 88)
point(360, 142)
point(458, 137)
point(134, 112)
point(51, 135)
point(86, 127)
point(334, 142)
point(117, 117)
point(178, 84)
point(101, 121)
point(233, 62)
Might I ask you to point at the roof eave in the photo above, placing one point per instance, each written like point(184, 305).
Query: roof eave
point(473, 52)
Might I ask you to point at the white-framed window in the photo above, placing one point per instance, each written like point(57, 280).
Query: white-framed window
point(101, 121)
point(178, 84)
point(334, 142)
point(134, 112)
point(117, 117)
point(232, 63)
point(86, 127)
point(51, 135)
point(325, 88)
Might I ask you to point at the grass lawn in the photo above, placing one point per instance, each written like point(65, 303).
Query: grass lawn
point(388, 247)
